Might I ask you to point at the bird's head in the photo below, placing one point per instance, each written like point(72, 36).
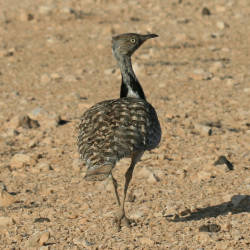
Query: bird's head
point(126, 44)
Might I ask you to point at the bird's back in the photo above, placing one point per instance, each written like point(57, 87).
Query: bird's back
point(113, 129)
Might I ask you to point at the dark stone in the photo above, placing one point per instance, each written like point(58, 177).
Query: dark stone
point(210, 228)
point(206, 12)
point(41, 219)
point(223, 160)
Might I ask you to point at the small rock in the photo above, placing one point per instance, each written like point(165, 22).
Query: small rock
point(20, 160)
point(5, 198)
point(205, 12)
point(83, 243)
point(220, 8)
point(137, 215)
point(45, 10)
point(223, 160)
point(24, 17)
point(56, 76)
point(201, 176)
point(246, 90)
point(237, 200)
point(203, 129)
point(210, 228)
point(149, 174)
point(215, 67)
point(226, 227)
point(200, 74)
point(45, 78)
point(26, 122)
point(221, 25)
point(109, 71)
point(6, 221)
point(41, 220)
point(43, 166)
point(38, 239)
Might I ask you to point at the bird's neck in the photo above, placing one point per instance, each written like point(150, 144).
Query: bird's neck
point(130, 86)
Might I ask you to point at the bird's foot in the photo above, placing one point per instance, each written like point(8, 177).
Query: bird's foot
point(123, 220)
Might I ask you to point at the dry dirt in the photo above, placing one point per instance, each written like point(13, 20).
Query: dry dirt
point(56, 61)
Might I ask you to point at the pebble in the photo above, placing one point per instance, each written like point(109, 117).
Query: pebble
point(137, 215)
point(202, 129)
point(45, 78)
point(45, 10)
point(5, 198)
point(149, 174)
point(237, 200)
point(220, 25)
point(55, 76)
point(246, 90)
point(43, 166)
point(26, 122)
point(200, 74)
point(206, 12)
point(24, 16)
point(38, 239)
point(215, 67)
point(20, 161)
point(109, 71)
point(6, 221)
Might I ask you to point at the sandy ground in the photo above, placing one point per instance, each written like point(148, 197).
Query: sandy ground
point(56, 61)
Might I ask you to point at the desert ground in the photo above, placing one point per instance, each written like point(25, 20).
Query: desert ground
point(193, 191)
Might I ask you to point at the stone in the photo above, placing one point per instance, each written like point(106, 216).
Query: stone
point(203, 129)
point(5, 198)
point(56, 76)
point(6, 221)
point(38, 239)
point(205, 12)
point(220, 25)
point(24, 16)
point(109, 71)
point(43, 166)
point(45, 78)
point(238, 199)
point(136, 215)
point(149, 174)
point(201, 176)
point(215, 67)
point(20, 160)
point(26, 122)
point(45, 10)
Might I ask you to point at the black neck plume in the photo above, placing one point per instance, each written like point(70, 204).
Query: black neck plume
point(130, 86)
point(134, 86)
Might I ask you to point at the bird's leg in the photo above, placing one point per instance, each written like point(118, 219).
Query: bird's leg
point(128, 176)
point(115, 188)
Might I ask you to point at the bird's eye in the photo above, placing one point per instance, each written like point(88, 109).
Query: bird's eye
point(132, 40)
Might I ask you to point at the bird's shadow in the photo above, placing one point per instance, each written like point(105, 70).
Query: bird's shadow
point(238, 204)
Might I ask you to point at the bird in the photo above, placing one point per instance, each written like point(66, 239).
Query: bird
point(119, 128)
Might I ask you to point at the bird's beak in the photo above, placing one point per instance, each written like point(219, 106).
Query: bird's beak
point(148, 36)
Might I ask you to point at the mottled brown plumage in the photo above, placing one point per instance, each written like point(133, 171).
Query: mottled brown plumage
point(124, 127)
